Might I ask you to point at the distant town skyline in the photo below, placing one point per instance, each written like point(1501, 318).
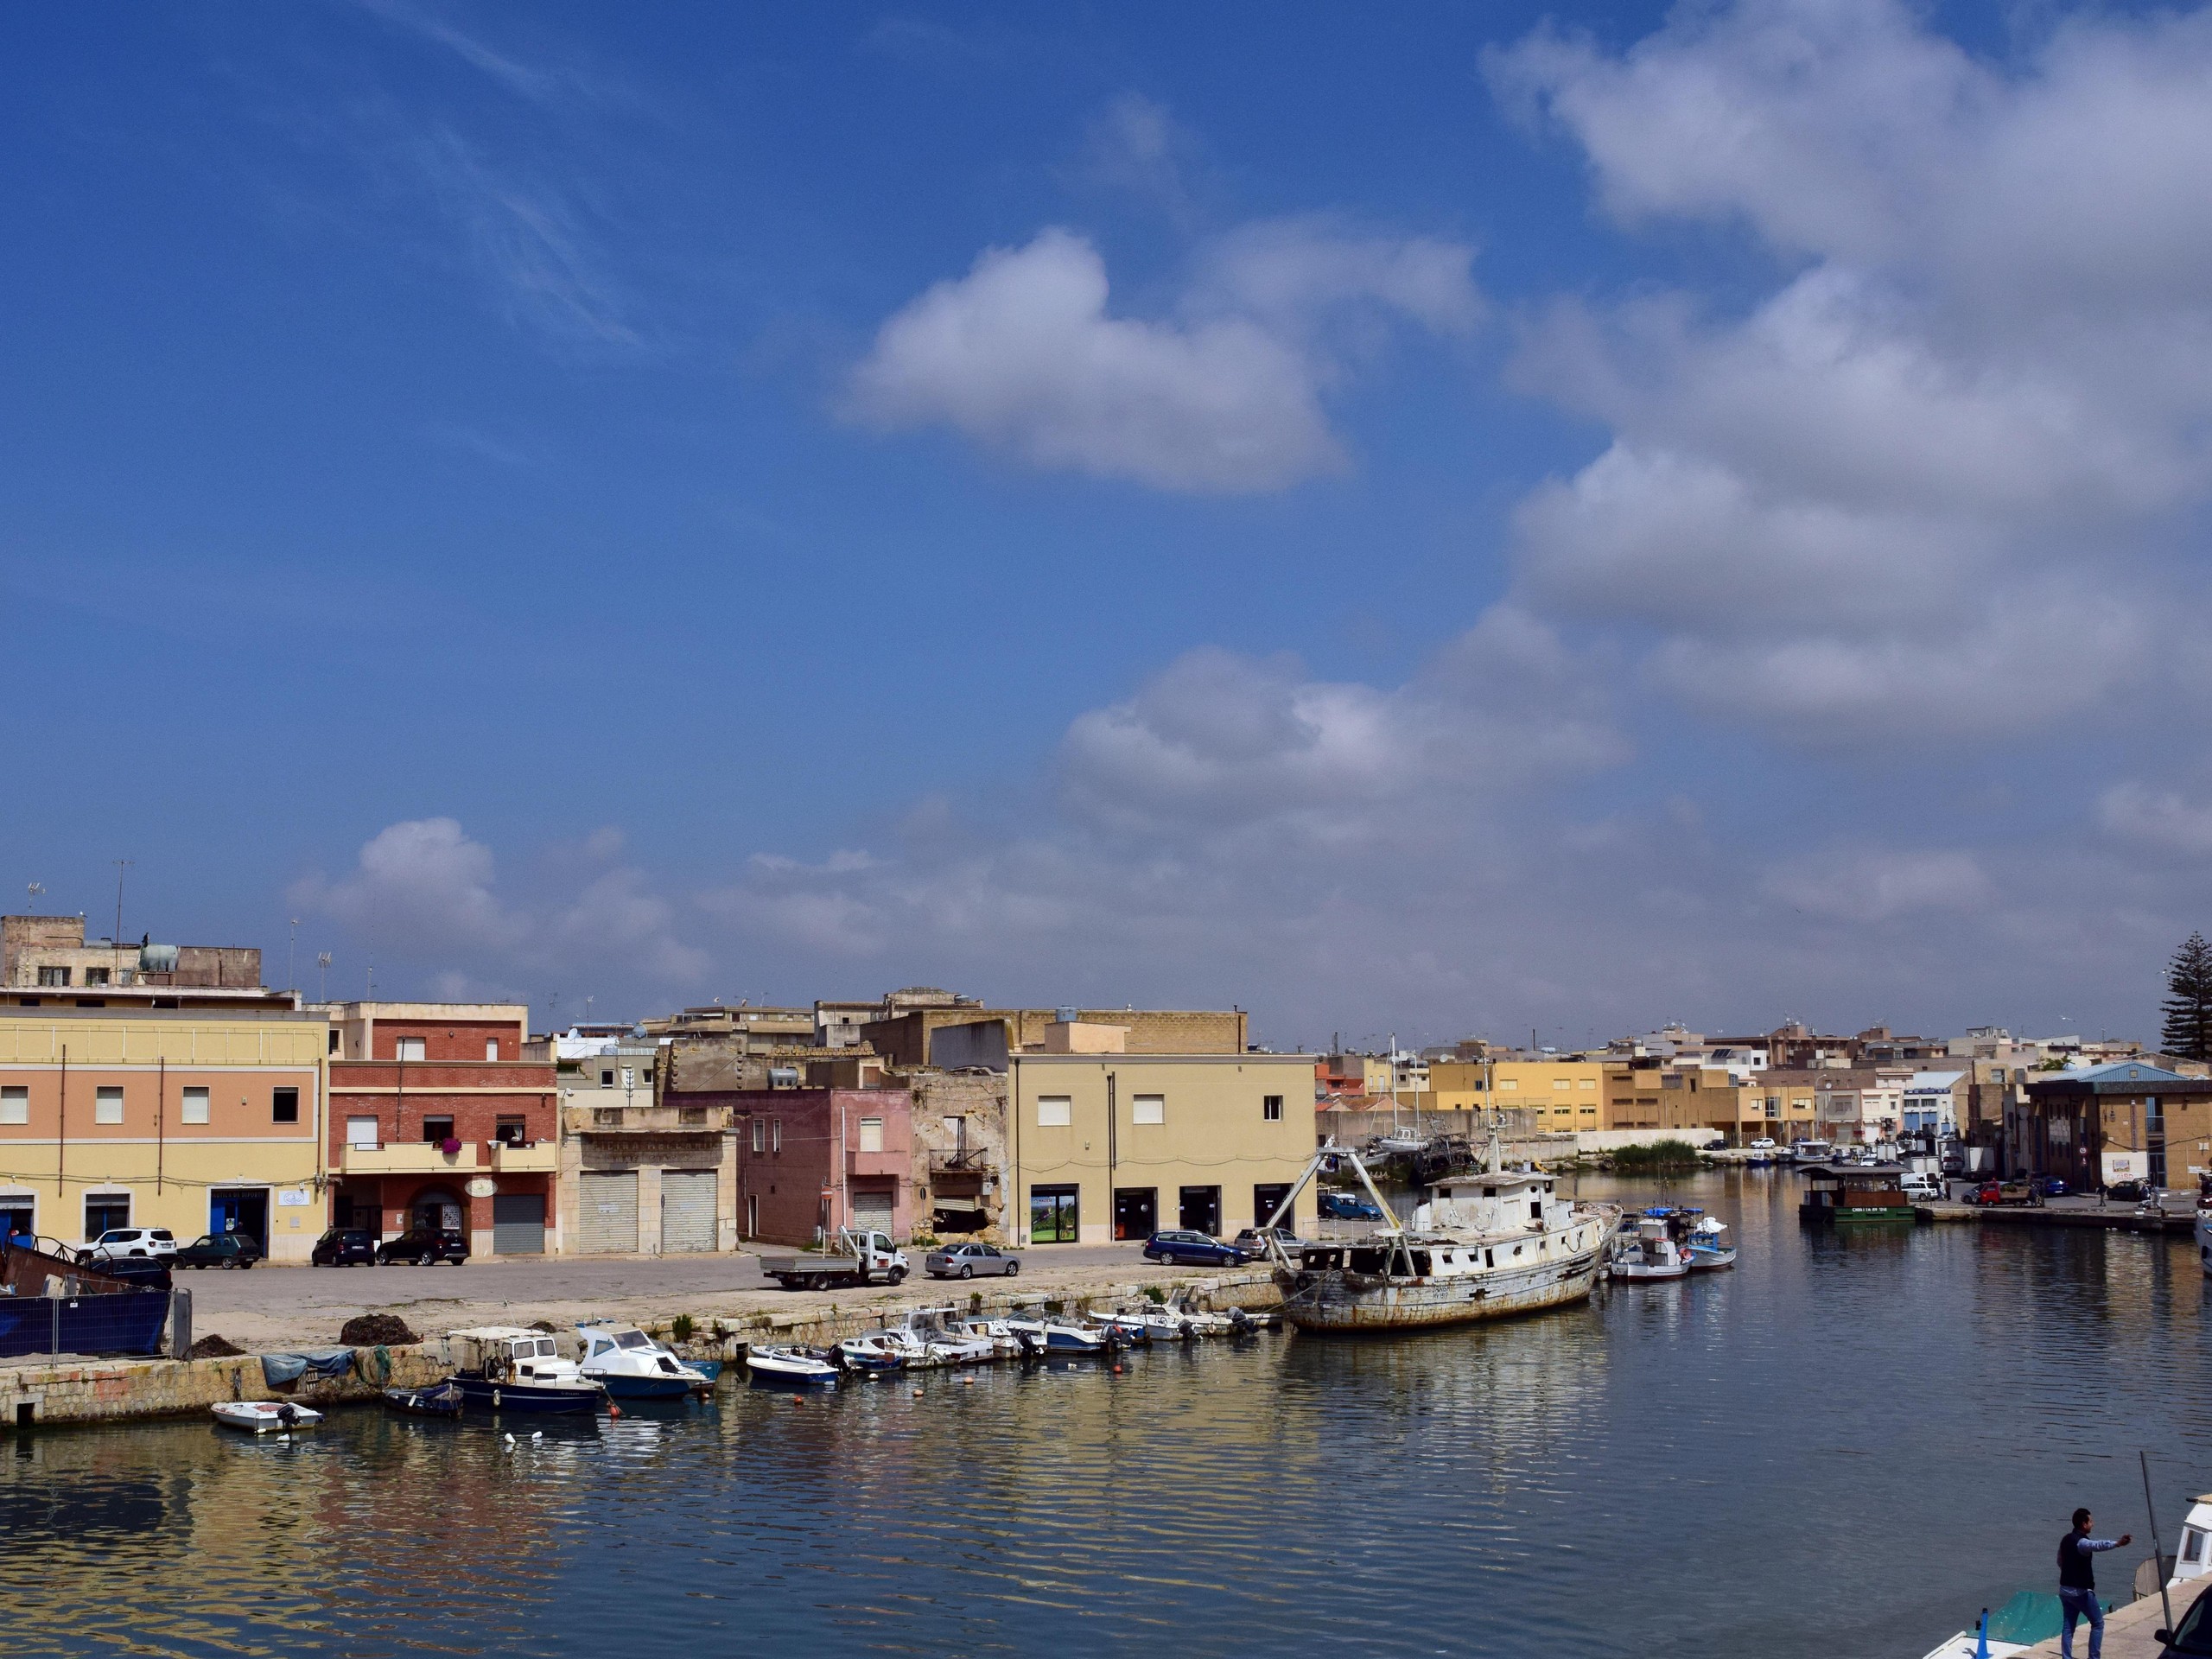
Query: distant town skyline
point(1482, 521)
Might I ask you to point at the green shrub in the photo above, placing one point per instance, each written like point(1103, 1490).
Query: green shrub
point(1659, 1155)
point(682, 1327)
point(1155, 1295)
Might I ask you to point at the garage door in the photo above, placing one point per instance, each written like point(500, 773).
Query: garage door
point(872, 1209)
point(606, 1210)
point(519, 1224)
point(687, 1210)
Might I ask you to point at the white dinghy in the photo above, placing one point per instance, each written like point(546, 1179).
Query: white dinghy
point(265, 1416)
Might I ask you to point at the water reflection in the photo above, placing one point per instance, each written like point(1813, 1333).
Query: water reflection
point(1844, 1446)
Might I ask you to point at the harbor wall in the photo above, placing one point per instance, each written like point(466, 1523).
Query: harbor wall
point(74, 1390)
point(71, 1390)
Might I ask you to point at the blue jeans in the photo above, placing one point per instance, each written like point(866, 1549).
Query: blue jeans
point(2075, 1606)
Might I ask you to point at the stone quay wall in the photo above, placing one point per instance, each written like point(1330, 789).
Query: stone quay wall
point(116, 1390)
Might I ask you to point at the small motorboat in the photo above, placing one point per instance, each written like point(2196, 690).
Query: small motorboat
point(784, 1368)
point(265, 1416)
point(630, 1365)
point(1197, 1321)
point(440, 1399)
point(1708, 1248)
point(1651, 1251)
point(873, 1353)
point(510, 1368)
point(1049, 1334)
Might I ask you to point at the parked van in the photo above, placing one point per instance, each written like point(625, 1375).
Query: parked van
point(1921, 1187)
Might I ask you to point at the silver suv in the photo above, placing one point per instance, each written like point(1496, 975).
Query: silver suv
point(119, 1243)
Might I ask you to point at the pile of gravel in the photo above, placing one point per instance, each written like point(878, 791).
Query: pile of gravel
point(375, 1331)
point(212, 1348)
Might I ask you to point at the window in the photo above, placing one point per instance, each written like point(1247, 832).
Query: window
point(96, 977)
point(1053, 1111)
point(414, 1048)
point(15, 1105)
point(760, 1128)
point(334, 1036)
point(511, 1132)
point(1508, 1085)
point(1271, 1108)
point(1148, 1108)
point(1562, 1083)
point(648, 1078)
point(54, 977)
point(775, 1134)
point(1587, 1082)
point(361, 1132)
point(107, 1105)
point(491, 1048)
point(106, 1212)
point(606, 1077)
point(871, 1134)
point(436, 1129)
point(284, 1106)
point(195, 1106)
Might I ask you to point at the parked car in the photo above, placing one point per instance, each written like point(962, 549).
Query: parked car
point(1253, 1241)
point(966, 1261)
point(119, 1243)
point(425, 1246)
point(2004, 1192)
point(1764, 1144)
point(144, 1271)
point(2127, 1191)
point(220, 1250)
point(1919, 1184)
point(2046, 1186)
point(1193, 1249)
point(1348, 1206)
point(345, 1247)
point(2191, 1634)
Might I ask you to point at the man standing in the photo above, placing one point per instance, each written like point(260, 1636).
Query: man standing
point(2077, 1585)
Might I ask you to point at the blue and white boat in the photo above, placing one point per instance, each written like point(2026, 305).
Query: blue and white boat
point(784, 1368)
point(1048, 1334)
point(508, 1367)
point(1707, 1244)
point(630, 1365)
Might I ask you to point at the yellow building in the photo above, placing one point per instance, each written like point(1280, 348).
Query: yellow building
point(195, 1121)
point(1561, 1095)
point(1113, 1146)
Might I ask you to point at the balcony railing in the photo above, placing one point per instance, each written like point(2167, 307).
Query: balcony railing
point(645, 1120)
point(406, 1157)
point(539, 1160)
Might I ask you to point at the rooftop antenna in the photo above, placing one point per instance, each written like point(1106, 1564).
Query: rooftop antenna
point(36, 889)
point(322, 966)
point(121, 865)
point(291, 948)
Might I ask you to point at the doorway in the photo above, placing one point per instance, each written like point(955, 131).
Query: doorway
point(437, 1208)
point(18, 1216)
point(240, 1210)
point(1266, 1196)
point(1201, 1210)
point(1052, 1215)
point(1136, 1211)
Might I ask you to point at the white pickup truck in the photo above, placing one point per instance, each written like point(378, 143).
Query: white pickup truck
point(857, 1259)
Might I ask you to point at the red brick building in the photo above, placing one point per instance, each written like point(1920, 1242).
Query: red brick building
point(435, 1115)
point(812, 1161)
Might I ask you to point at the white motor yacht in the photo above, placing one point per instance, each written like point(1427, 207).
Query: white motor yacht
point(786, 1367)
point(630, 1365)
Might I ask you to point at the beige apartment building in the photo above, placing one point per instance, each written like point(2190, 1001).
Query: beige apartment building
point(1112, 1146)
point(196, 1121)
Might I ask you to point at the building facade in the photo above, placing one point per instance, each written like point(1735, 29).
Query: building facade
point(438, 1119)
point(2100, 1124)
point(198, 1122)
point(810, 1161)
point(1103, 1146)
point(648, 1167)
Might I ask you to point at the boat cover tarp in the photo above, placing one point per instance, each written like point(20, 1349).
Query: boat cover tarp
point(328, 1365)
point(124, 1322)
point(2031, 1616)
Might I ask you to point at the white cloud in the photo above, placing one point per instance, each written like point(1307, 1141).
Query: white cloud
point(1917, 488)
point(2157, 818)
point(1023, 356)
point(424, 894)
point(1881, 886)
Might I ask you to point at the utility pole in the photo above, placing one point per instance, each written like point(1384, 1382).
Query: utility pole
point(121, 865)
point(291, 952)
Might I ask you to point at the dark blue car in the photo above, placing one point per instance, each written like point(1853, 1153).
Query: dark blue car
point(1192, 1249)
point(1348, 1206)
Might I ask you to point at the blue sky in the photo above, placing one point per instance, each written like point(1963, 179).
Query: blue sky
point(1453, 520)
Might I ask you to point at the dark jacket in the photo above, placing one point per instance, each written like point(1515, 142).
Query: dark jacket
point(2076, 1553)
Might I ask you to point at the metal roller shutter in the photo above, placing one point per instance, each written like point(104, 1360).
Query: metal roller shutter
point(519, 1224)
point(606, 1211)
point(687, 1210)
point(872, 1208)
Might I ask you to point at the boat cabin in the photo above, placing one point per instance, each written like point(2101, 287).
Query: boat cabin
point(508, 1353)
point(1840, 1192)
point(1484, 1201)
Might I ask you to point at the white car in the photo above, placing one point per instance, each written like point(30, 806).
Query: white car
point(1763, 1144)
point(1918, 1183)
point(118, 1243)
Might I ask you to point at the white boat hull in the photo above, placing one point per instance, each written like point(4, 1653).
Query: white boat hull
point(1342, 1300)
point(263, 1417)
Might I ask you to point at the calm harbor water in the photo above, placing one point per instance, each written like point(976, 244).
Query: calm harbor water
point(1845, 1447)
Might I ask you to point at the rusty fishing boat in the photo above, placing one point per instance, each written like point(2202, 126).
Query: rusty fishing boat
point(1484, 1244)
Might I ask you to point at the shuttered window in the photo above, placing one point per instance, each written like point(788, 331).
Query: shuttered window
point(15, 1105)
point(1148, 1108)
point(195, 1106)
point(871, 1134)
point(107, 1105)
point(1053, 1111)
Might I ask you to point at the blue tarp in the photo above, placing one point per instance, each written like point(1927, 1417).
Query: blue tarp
point(127, 1322)
point(325, 1363)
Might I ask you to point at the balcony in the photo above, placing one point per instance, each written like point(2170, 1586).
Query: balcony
point(645, 1120)
point(541, 1160)
point(961, 1160)
point(406, 1157)
point(879, 1163)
